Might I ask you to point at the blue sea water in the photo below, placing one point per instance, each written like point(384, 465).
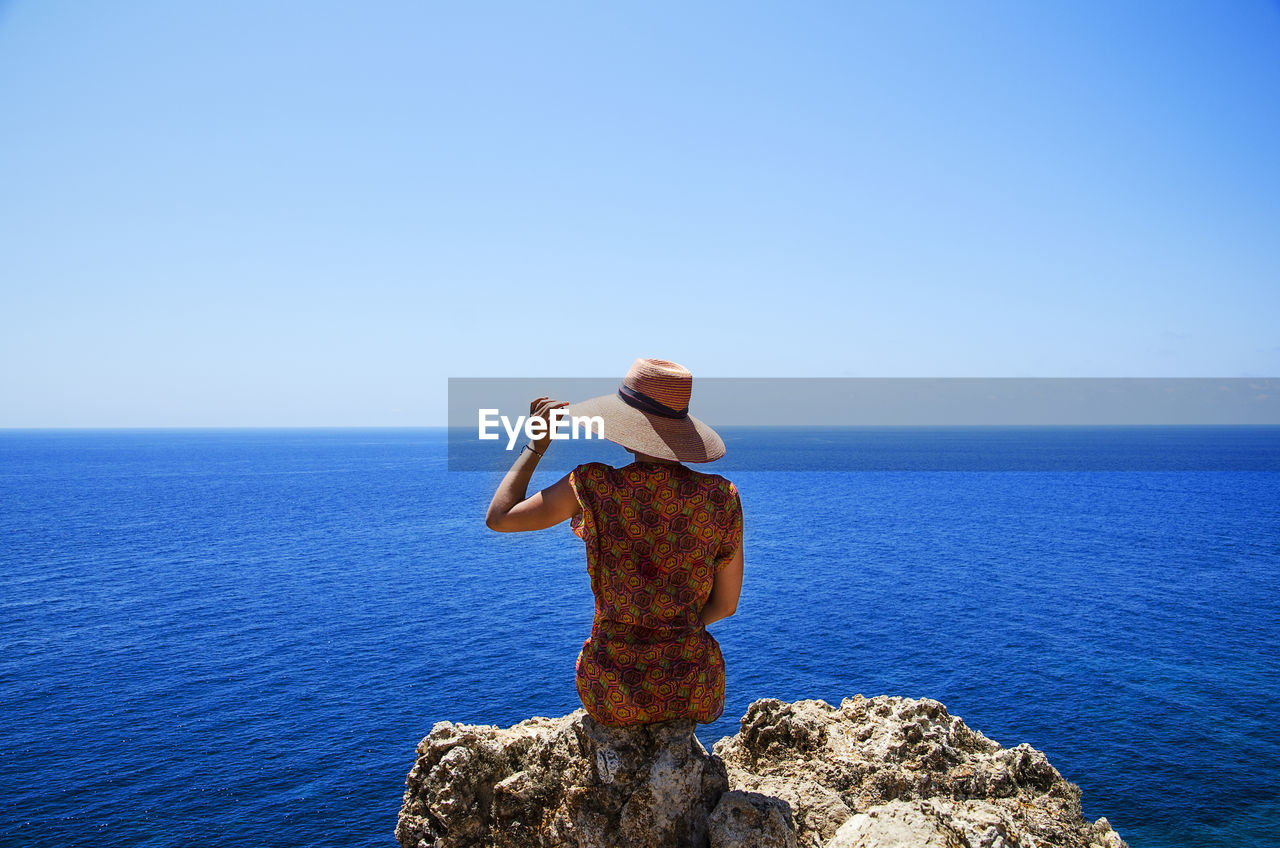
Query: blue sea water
point(236, 638)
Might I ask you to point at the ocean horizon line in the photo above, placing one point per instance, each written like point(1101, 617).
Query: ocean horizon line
point(445, 427)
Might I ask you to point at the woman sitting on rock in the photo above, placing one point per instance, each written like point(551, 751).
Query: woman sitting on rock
point(663, 544)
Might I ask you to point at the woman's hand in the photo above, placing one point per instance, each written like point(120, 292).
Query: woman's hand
point(540, 420)
point(510, 511)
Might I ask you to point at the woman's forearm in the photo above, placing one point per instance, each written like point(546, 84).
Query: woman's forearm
point(715, 611)
point(514, 486)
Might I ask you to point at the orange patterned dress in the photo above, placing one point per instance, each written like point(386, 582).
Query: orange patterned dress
point(656, 535)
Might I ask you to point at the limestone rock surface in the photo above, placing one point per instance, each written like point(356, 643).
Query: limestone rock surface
point(565, 781)
point(889, 771)
point(871, 773)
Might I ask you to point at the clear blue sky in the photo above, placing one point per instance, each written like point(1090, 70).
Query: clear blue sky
point(311, 213)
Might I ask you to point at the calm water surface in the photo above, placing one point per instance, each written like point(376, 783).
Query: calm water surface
point(236, 638)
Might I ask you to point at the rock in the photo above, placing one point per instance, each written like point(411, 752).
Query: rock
point(872, 773)
point(568, 781)
point(751, 820)
point(898, 823)
point(908, 773)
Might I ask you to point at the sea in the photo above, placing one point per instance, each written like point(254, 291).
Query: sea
point(237, 637)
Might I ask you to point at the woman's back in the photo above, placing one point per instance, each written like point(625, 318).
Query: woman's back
point(656, 536)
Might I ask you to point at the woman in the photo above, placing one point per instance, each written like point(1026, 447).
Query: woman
point(663, 544)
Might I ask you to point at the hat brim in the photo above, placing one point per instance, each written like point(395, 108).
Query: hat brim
point(680, 439)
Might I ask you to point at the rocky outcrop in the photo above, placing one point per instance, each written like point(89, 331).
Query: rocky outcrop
point(564, 781)
point(898, 771)
point(871, 773)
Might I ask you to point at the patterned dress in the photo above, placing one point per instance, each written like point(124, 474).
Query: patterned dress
point(656, 535)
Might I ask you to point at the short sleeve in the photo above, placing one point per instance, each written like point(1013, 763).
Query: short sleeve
point(732, 523)
point(583, 480)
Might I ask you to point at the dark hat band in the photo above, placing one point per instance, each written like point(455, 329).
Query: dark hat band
point(644, 403)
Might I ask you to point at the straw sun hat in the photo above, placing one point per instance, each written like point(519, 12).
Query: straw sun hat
point(650, 414)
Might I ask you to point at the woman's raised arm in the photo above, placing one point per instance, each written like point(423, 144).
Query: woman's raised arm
point(510, 511)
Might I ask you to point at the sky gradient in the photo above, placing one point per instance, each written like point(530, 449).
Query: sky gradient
point(311, 213)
